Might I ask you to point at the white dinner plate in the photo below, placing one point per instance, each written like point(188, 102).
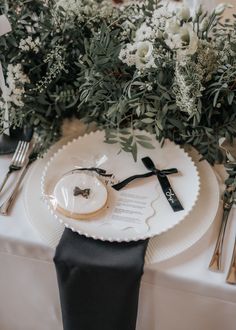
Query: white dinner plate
point(151, 215)
point(161, 247)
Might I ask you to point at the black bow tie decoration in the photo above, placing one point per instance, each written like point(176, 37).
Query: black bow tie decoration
point(83, 192)
point(162, 177)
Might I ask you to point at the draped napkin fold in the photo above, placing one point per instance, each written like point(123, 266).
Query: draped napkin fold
point(98, 282)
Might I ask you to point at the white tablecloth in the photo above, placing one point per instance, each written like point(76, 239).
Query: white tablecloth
point(179, 293)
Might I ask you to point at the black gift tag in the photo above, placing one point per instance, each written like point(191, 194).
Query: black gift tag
point(170, 194)
point(165, 183)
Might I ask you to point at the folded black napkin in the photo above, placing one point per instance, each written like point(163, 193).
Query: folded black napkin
point(8, 143)
point(98, 282)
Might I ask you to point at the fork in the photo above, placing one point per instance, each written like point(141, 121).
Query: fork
point(17, 160)
point(32, 157)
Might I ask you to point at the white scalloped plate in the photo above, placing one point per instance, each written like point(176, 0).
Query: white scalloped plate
point(92, 147)
point(161, 247)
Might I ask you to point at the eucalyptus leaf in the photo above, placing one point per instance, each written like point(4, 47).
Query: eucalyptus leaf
point(146, 145)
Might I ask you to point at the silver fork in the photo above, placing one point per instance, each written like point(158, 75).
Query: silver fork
point(17, 160)
point(4, 208)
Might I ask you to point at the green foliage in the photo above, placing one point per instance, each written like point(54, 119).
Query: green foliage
point(77, 72)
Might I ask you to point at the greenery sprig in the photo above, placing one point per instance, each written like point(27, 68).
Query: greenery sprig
point(135, 66)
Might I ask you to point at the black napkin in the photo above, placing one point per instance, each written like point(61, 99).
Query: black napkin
point(8, 143)
point(98, 282)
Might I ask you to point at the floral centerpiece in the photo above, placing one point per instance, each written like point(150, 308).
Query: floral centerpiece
point(125, 67)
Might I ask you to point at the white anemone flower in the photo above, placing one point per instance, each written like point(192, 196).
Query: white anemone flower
point(144, 55)
point(189, 39)
point(185, 40)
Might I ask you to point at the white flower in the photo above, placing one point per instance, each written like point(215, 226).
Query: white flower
point(80, 8)
point(193, 45)
point(172, 26)
point(69, 5)
point(161, 12)
point(173, 41)
point(159, 17)
point(183, 13)
point(30, 44)
point(189, 38)
point(15, 85)
point(186, 39)
point(185, 33)
point(127, 25)
point(144, 49)
point(144, 55)
point(127, 54)
point(221, 8)
point(144, 32)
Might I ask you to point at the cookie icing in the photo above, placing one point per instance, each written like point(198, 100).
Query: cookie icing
point(79, 205)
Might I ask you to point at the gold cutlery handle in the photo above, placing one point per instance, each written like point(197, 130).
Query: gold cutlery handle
point(231, 276)
point(216, 260)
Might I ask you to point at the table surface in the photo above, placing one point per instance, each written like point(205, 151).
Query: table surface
point(18, 237)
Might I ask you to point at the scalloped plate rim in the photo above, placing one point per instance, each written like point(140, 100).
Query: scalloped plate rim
point(114, 239)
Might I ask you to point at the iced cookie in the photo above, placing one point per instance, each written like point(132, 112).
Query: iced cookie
point(79, 195)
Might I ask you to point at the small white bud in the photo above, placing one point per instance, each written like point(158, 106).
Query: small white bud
point(204, 24)
point(221, 8)
point(199, 11)
point(159, 34)
point(183, 13)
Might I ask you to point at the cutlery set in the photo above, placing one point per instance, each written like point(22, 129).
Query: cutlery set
point(229, 199)
point(24, 155)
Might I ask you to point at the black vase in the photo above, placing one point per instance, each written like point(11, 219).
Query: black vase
point(8, 143)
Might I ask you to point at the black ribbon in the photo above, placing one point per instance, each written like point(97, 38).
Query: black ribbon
point(98, 170)
point(162, 177)
point(122, 184)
